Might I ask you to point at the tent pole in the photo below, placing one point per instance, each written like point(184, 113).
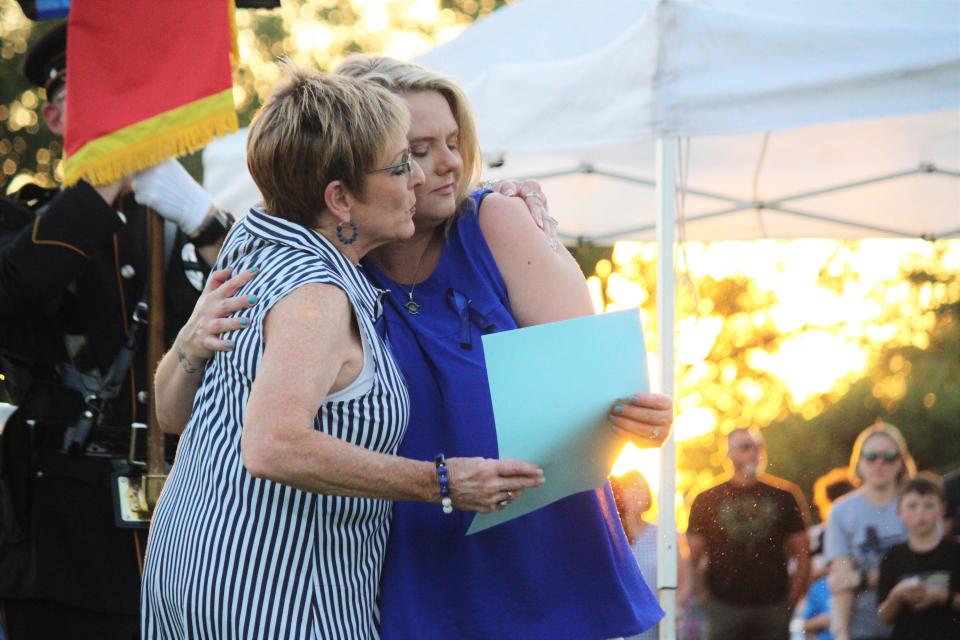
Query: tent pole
point(666, 301)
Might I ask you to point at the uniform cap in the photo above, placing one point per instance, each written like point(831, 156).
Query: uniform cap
point(45, 64)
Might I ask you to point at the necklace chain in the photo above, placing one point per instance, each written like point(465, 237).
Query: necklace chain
point(411, 305)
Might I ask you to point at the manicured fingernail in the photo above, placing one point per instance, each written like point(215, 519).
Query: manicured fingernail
point(618, 409)
point(229, 345)
point(251, 299)
point(509, 192)
point(243, 322)
point(252, 269)
point(629, 399)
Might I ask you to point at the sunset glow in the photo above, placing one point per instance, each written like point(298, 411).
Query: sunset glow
point(835, 306)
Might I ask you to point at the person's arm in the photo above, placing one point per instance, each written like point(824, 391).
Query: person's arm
point(43, 258)
point(684, 572)
point(842, 580)
point(545, 285)
point(843, 577)
point(169, 190)
point(536, 202)
point(798, 548)
point(307, 340)
point(817, 623)
point(907, 592)
point(181, 368)
point(699, 557)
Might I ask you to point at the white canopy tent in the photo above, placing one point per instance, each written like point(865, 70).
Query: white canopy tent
point(575, 92)
point(801, 118)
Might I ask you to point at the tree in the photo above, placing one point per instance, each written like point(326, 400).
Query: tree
point(916, 389)
point(908, 343)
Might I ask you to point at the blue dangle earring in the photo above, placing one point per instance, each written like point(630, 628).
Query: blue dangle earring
point(353, 232)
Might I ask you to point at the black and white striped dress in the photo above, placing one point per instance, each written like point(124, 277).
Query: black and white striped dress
point(233, 556)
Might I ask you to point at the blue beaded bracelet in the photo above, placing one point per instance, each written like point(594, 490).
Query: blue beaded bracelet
point(444, 481)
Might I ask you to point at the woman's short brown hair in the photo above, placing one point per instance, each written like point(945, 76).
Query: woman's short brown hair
point(406, 77)
point(316, 128)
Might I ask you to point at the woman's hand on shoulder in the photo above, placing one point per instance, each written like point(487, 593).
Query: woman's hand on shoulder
point(644, 418)
point(535, 199)
point(200, 337)
point(485, 485)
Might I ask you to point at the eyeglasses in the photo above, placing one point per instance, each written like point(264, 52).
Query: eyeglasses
point(405, 168)
point(886, 456)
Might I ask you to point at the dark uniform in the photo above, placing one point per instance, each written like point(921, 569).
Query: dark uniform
point(71, 273)
point(69, 281)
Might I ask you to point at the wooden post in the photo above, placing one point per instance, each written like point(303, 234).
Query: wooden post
point(155, 476)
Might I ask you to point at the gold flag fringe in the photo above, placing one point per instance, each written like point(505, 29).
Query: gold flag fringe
point(183, 138)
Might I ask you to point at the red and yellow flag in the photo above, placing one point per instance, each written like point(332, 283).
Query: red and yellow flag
point(146, 80)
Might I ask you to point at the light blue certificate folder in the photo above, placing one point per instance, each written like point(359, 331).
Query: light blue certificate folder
point(552, 387)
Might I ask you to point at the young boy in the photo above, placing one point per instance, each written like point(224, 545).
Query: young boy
point(919, 586)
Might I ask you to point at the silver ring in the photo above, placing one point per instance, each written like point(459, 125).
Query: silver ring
point(534, 194)
point(489, 184)
point(510, 496)
point(502, 505)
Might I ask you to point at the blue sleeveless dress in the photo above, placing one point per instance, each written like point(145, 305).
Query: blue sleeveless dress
point(563, 572)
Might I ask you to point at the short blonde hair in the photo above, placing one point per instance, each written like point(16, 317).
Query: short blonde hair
point(907, 467)
point(316, 128)
point(406, 77)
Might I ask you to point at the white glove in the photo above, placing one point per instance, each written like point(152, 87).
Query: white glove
point(168, 189)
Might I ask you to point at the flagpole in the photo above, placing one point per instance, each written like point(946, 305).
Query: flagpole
point(155, 476)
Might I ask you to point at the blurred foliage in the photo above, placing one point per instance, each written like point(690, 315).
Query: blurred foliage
point(25, 143)
point(318, 33)
point(912, 377)
point(916, 389)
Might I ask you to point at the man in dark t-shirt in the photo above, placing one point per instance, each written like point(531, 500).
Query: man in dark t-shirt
point(747, 529)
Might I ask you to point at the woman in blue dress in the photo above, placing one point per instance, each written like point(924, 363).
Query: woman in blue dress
point(480, 264)
point(477, 265)
point(274, 519)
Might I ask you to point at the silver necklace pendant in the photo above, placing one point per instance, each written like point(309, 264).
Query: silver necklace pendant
point(412, 307)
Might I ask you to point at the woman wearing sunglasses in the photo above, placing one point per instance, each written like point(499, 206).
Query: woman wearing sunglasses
point(862, 526)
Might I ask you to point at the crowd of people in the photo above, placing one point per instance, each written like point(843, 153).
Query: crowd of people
point(883, 563)
point(325, 477)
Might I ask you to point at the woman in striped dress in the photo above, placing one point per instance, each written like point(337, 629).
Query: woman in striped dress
point(275, 516)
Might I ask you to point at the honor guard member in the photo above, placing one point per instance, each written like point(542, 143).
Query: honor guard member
point(73, 270)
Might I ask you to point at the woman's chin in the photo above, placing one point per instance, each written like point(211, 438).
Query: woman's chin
point(436, 207)
point(406, 231)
